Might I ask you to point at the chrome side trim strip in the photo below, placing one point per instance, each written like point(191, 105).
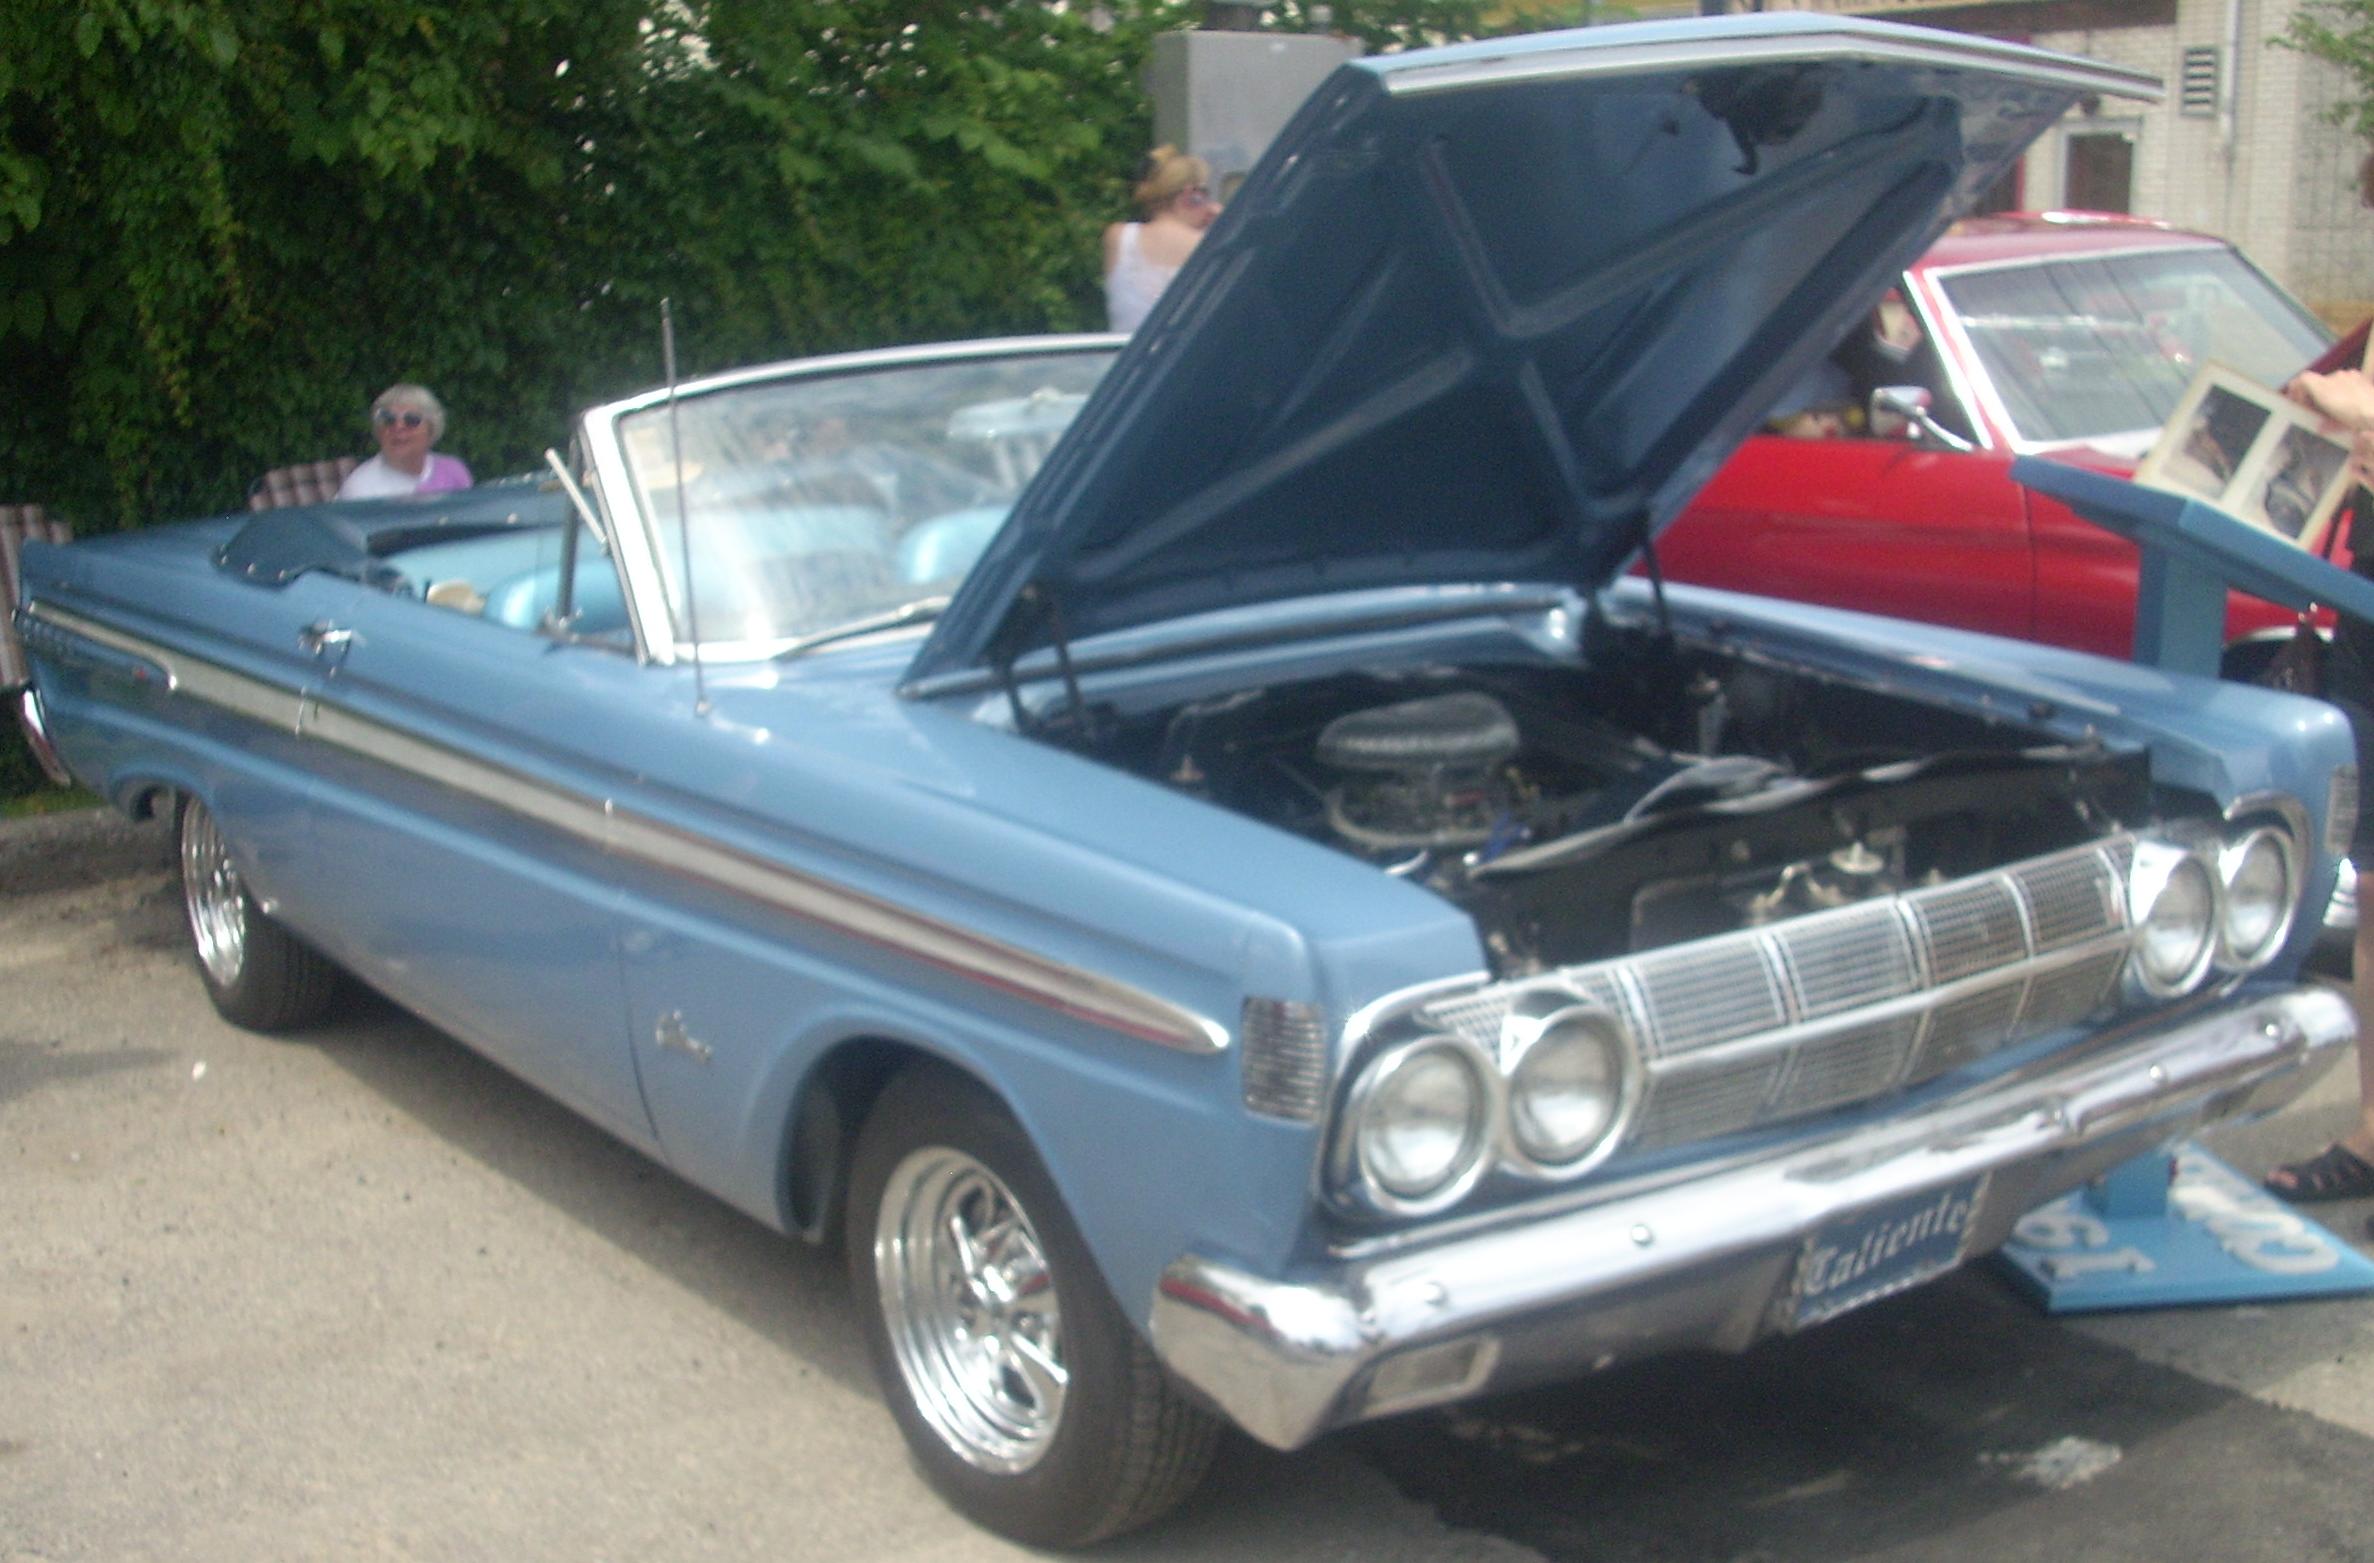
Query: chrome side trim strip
point(677, 852)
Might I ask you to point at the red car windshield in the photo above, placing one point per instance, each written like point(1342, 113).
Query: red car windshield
point(2098, 347)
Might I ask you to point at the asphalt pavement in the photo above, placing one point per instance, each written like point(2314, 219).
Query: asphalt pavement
point(361, 1295)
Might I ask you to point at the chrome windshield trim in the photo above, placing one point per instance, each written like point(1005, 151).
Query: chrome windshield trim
point(675, 851)
point(1927, 301)
point(1996, 413)
point(870, 358)
point(638, 549)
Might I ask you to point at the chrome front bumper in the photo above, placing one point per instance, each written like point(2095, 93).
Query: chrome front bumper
point(1709, 1259)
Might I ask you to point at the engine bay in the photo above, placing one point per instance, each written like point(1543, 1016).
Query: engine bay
point(1664, 795)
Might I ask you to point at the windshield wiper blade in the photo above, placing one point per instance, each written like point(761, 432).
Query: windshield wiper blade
point(921, 610)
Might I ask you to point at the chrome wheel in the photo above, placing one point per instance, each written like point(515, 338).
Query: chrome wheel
point(971, 1311)
point(217, 901)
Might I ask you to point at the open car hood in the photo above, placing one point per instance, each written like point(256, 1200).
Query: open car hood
point(1495, 312)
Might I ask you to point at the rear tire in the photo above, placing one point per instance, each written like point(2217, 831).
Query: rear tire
point(257, 973)
point(1028, 1400)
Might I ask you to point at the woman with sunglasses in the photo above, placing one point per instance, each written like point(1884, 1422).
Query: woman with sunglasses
point(1141, 257)
point(407, 419)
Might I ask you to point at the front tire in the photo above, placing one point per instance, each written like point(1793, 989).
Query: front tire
point(1027, 1399)
point(257, 973)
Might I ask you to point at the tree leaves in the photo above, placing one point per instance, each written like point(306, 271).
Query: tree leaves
point(224, 227)
point(2342, 32)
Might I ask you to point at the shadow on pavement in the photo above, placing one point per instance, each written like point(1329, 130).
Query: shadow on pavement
point(1950, 1423)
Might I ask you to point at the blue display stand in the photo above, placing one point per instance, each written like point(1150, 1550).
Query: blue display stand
point(2191, 553)
point(2157, 1233)
point(2183, 1228)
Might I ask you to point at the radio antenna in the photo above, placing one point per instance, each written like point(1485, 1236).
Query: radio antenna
point(692, 622)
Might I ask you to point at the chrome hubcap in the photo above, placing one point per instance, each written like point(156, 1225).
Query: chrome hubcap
point(971, 1309)
point(216, 900)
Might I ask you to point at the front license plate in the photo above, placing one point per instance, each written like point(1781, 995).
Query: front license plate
point(1863, 1257)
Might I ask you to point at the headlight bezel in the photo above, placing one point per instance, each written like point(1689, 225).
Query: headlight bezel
point(2159, 868)
point(2233, 858)
point(1543, 1020)
point(1376, 1077)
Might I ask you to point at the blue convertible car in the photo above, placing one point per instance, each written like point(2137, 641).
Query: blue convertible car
point(1192, 858)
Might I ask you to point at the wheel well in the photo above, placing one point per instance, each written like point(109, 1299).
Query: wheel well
point(151, 800)
point(2249, 659)
point(832, 1104)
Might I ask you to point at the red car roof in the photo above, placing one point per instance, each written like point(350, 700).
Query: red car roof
point(2009, 236)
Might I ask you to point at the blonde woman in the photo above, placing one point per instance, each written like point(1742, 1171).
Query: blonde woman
point(1175, 194)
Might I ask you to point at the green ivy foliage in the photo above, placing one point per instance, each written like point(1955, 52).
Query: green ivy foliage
point(224, 227)
point(2341, 32)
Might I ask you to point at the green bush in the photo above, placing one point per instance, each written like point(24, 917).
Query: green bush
point(225, 227)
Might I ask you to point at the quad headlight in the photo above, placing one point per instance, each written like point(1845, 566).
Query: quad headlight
point(1566, 1084)
point(1430, 1115)
point(1422, 1122)
point(2172, 897)
point(2261, 883)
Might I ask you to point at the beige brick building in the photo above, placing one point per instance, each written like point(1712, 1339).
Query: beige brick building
point(2240, 147)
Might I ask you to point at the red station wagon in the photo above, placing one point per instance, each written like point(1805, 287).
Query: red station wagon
point(2071, 335)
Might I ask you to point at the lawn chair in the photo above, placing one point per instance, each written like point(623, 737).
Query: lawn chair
point(306, 483)
point(18, 524)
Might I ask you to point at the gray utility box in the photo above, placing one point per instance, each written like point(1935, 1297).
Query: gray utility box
point(1224, 95)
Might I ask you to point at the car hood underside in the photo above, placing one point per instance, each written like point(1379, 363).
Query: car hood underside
point(1496, 312)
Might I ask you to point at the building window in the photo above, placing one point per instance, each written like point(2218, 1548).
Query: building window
point(2100, 172)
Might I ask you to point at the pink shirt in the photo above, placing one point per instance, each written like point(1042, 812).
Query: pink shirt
point(375, 479)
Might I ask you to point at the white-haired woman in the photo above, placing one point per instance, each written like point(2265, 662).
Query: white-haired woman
point(1175, 193)
point(407, 419)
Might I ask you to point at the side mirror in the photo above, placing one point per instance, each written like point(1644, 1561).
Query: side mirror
point(1902, 412)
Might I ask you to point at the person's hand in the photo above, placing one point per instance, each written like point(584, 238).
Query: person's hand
point(2346, 396)
point(2361, 457)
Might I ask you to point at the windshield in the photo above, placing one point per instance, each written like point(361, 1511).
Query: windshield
point(815, 502)
point(2104, 345)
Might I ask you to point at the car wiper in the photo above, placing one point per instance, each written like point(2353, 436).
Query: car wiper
point(921, 610)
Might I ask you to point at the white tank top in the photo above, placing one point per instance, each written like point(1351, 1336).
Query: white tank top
point(1134, 283)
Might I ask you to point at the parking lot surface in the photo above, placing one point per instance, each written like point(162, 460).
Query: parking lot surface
point(359, 1294)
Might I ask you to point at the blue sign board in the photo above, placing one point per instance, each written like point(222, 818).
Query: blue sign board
point(2205, 1234)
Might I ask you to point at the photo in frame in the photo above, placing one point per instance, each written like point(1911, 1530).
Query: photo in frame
point(2254, 455)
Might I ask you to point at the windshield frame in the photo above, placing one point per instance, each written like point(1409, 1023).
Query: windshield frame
point(1994, 411)
point(639, 545)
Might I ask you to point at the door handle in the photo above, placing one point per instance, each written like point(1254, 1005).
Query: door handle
point(321, 638)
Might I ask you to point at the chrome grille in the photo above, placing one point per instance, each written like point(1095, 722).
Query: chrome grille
point(2068, 901)
point(1969, 927)
point(1855, 959)
point(1844, 1066)
point(1968, 1026)
point(1705, 1103)
point(1696, 995)
point(1826, 1010)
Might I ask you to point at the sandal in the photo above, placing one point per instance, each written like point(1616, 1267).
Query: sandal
point(2336, 1173)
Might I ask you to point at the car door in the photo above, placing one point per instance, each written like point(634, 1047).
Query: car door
point(464, 781)
point(246, 657)
point(1881, 525)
